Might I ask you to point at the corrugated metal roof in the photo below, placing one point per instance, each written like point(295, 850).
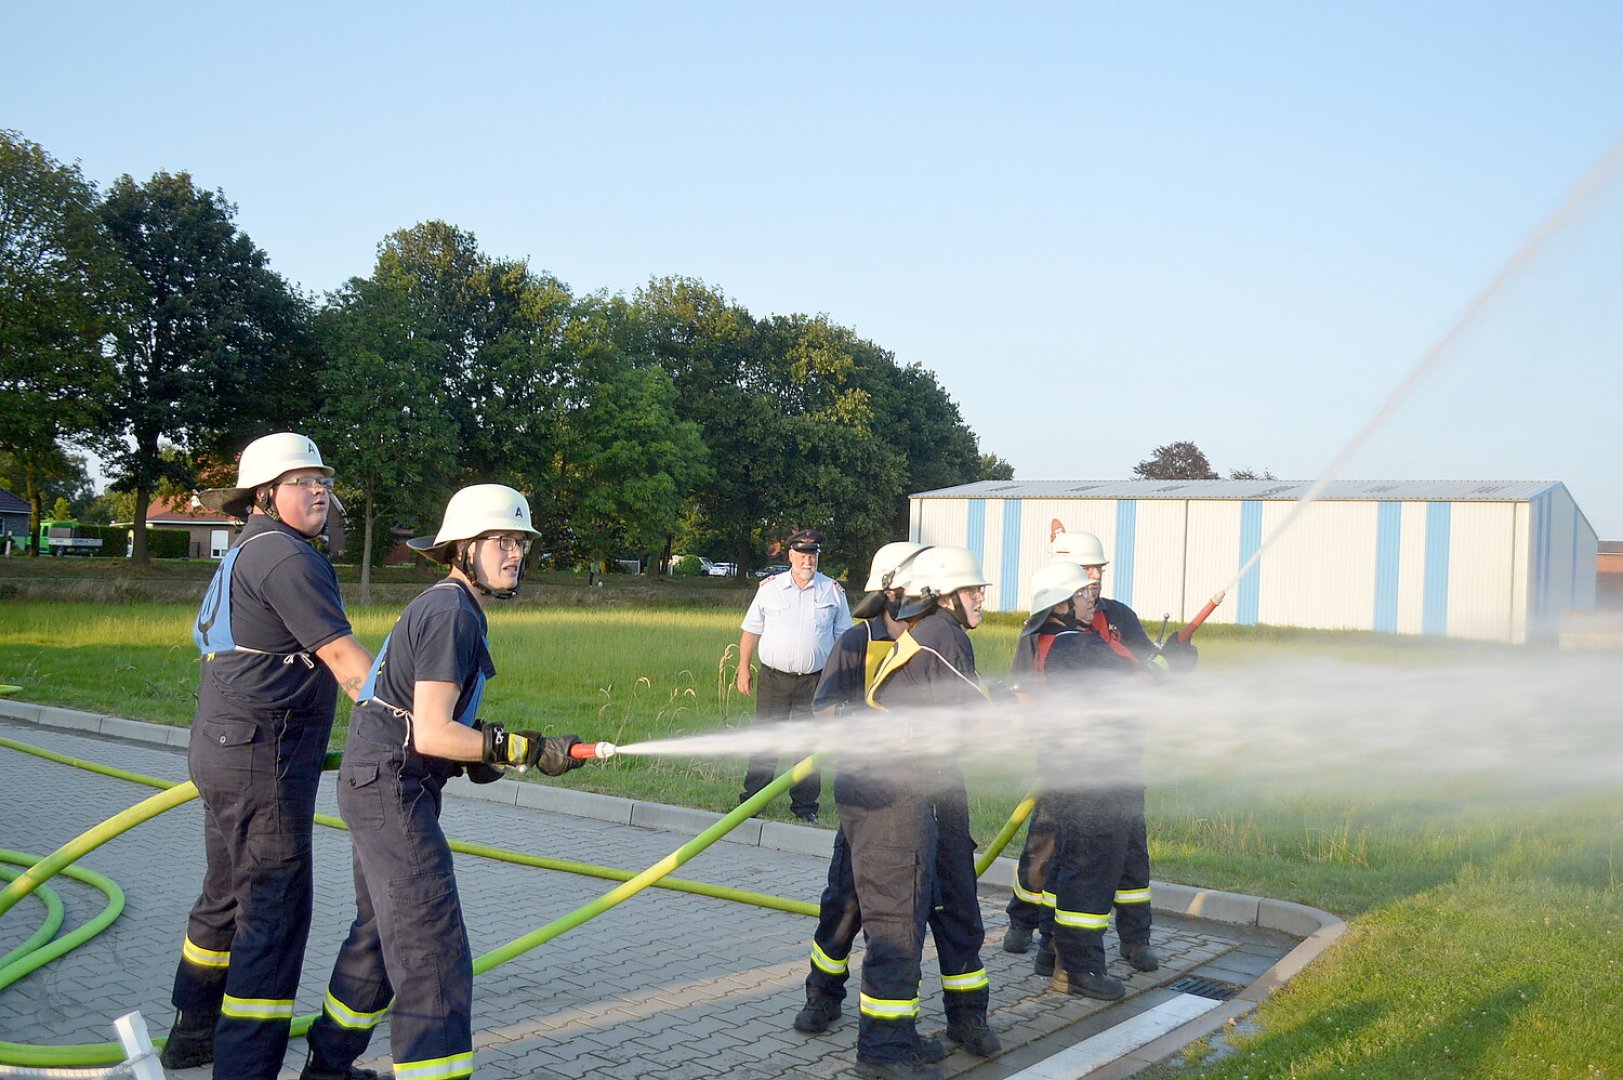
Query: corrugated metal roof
point(1236, 490)
point(11, 504)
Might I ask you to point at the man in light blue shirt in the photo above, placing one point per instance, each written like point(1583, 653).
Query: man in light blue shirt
point(792, 624)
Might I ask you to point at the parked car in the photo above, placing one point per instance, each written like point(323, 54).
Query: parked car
point(721, 569)
point(768, 571)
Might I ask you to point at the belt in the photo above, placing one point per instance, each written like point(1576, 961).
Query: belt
point(792, 674)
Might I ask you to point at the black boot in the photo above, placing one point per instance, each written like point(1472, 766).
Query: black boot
point(1089, 984)
point(818, 1015)
point(973, 1034)
point(899, 1070)
point(191, 1040)
point(313, 1071)
point(1141, 956)
point(1017, 939)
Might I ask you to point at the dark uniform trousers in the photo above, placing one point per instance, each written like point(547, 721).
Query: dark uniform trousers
point(1102, 861)
point(408, 942)
point(257, 779)
point(1026, 908)
point(954, 918)
point(783, 695)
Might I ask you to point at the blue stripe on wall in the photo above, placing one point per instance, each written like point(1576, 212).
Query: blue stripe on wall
point(1126, 532)
point(1388, 552)
point(1250, 541)
point(975, 540)
point(1008, 582)
point(1434, 605)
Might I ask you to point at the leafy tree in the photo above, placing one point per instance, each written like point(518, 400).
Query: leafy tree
point(207, 339)
point(1251, 474)
point(392, 446)
point(993, 467)
point(706, 344)
point(53, 265)
point(1176, 461)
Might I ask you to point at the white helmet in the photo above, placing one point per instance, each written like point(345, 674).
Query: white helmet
point(892, 563)
point(473, 511)
point(1053, 585)
point(263, 461)
point(937, 573)
point(941, 571)
point(1082, 548)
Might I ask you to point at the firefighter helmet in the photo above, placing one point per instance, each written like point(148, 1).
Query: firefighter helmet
point(889, 570)
point(263, 461)
point(1051, 586)
point(1082, 548)
point(473, 511)
point(937, 573)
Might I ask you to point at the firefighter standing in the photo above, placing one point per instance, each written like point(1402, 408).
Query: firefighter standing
point(276, 648)
point(1094, 793)
point(1115, 621)
point(407, 952)
point(843, 686)
point(906, 820)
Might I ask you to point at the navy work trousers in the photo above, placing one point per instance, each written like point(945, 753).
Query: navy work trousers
point(256, 775)
point(408, 941)
point(1026, 905)
point(955, 919)
point(1103, 853)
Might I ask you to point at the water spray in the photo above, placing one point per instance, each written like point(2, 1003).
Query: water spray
point(593, 751)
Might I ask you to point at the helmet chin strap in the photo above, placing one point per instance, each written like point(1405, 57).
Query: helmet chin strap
point(466, 563)
point(1067, 618)
point(267, 502)
point(957, 609)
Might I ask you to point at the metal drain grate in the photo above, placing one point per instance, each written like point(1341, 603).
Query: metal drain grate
point(1206, 988)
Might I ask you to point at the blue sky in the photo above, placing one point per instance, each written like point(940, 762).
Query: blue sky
point(1104, 227)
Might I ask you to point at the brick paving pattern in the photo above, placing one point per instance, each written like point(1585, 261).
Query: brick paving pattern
point(665, 985)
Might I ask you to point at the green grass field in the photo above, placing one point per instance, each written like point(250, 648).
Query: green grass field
point(1486, 931)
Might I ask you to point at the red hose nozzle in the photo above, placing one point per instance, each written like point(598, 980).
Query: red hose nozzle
point(593, 751)
point(1188, 631)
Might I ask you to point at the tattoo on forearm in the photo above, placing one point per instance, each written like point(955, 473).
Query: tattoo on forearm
point(351, 686)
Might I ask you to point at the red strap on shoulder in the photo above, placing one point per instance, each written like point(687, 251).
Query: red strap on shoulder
point(1112, 636)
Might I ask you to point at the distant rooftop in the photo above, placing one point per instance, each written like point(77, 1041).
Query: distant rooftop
point(1288, 490)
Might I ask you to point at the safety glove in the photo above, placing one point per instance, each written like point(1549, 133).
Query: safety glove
point(477, 771)
point(511, 749)
point(1180, 655)
point(555, 759)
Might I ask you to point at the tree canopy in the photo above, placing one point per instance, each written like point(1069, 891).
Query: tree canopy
point(147, 325)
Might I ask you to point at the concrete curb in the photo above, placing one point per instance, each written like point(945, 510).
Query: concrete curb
point(1316, 929)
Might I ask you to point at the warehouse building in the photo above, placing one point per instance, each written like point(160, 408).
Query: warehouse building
point(1489, 560)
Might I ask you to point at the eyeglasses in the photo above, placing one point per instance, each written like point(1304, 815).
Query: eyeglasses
point(507, 545)
point(313, 483)
point(973, 590)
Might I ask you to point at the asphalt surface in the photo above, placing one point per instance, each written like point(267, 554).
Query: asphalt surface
point(667, 984)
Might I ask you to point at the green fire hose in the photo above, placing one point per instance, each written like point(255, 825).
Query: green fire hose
point(31, 955)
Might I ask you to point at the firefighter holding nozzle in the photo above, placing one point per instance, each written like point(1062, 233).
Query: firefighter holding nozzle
point(407, 954)
point(1088, 850)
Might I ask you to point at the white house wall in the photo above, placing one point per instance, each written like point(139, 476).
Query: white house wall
point(1157, 577)
point(1481, 582)
point(1212, 558)
point(1320, 572)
